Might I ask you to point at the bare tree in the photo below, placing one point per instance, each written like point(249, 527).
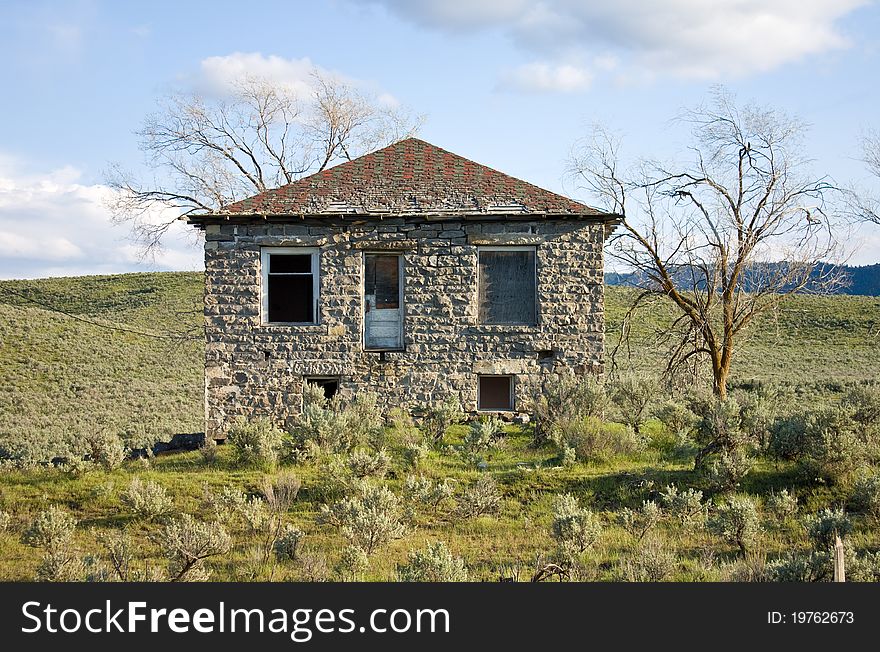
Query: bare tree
point(207, 153)
point(865, 205)
point(723, 236)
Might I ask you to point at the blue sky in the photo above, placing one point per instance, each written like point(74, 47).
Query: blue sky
point(508, 83)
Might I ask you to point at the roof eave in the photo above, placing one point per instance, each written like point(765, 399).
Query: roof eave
point(202, 219)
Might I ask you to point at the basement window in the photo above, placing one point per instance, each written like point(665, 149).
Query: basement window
point(329, 385)
point(290, 285)
point(495, 393)
point(507, 285)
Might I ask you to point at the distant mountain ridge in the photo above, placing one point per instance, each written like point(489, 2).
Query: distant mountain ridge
point(863, 280)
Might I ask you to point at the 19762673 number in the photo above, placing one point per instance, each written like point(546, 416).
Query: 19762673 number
point(811, 617)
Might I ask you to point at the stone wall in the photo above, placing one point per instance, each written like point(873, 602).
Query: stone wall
point(257, 369)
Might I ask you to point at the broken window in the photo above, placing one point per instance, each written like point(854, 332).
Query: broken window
point(383, 313)
point(495, 393)
point(507, 285)
point(329, 385)
point(290, 285)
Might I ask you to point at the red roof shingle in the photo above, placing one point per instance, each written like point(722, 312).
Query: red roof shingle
point(409, 177)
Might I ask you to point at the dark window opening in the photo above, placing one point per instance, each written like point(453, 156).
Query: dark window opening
point(546, 354)
point(382, 280)
point(495, 393)
point(329, 385)
point(290, 287)
point(290, 298)
point(507, 286)
point(290, 263)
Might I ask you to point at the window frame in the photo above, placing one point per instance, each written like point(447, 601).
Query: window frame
point(401, 282)
point(315, 269)
point(512, 403)
point(508, 248)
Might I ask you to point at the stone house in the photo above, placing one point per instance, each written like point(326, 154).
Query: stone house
point(410, 272)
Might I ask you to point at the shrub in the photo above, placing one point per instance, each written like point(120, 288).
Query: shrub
point(685, 506)
point(812, 567)
point(337, 426)
point(369, 520)
point(736, 521)
point(186, 542)
point(415, 454)
point(5, 520)
point(314, 566)
point(289, 543)
point(725, 471)
point(52, 531)
point(208, 450)
point(641, 521)
point(484, 435)
point(864, 567)
point(435, 563)
point(719, 429)
point(440, 416)
point(866, 494)
point(633, 397)
point(782, 505)
point(823, 526)
point(825, 441)
point(147, 500)
point(256, 442)
point(787, 437)
point(481, 497)
point(365, 422)
point(104, 449)
point(225, 504)
point(593, 440)
point(53, 527)
point(424, 494)
point(565, 398)
point(863, 404)
point(678, 420)
point(352, 564)
point(751, 568)
point(402, 429)
point(575, 529)
point(758, 410)
point(363, 464)
point(651, 561)
point(119, 549)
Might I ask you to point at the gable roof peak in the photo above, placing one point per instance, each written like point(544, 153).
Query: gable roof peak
point(408, 177)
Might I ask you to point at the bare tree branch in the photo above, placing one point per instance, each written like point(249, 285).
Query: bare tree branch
point(724, 236)
point(209, 153)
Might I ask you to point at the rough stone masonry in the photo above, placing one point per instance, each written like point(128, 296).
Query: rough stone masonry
point(255, 368)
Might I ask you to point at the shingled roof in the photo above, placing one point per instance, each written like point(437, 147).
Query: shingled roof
point(410, 177)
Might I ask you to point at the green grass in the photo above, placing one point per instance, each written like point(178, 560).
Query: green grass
point(65, 375)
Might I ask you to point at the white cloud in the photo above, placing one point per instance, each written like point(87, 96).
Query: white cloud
point(51, 225)
point(542, 77)
point(692, 39)
point(217, 74)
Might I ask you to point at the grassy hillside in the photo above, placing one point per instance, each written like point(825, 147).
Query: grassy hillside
point(109, 362)
point(62, 373)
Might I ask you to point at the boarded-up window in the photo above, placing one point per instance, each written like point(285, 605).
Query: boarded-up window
point(290, 285)
point(495, 393)
point(507, 292)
